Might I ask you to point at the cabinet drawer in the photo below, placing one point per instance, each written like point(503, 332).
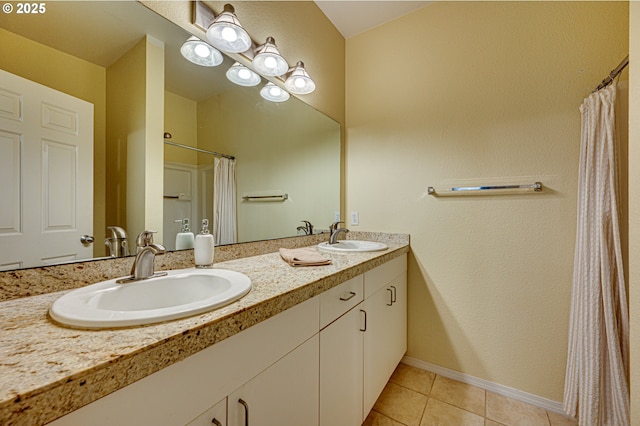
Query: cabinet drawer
point(378, 277)
point(340, 299)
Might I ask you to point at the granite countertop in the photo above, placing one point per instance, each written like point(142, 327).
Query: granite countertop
point(48, 370)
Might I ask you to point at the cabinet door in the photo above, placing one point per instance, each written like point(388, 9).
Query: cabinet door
point(214, 416)
point(285, 394)
point(397, 333)
point(341, 347)
point(385, 338)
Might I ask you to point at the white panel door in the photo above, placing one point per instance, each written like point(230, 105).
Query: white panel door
point(46, 174)
point(180, 187)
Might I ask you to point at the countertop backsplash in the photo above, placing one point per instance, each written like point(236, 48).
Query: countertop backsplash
point(20, 283)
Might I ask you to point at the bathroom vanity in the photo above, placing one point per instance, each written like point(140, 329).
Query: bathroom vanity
point(312, 346)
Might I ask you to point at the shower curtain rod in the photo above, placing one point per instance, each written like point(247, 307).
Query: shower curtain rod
point(216, 154)
point(613, 74)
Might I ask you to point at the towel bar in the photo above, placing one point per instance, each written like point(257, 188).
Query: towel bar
point(266, 197)
point(493, 189)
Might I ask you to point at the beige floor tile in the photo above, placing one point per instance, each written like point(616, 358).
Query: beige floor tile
point(488, 422)
point(461, 395)
point(413, 378)
point(561, 420)
point(376, 419)
point(401, 404)
point(438, 413)
point(511, 412)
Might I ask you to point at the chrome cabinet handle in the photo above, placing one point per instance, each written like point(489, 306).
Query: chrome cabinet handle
point(390, 297)
point(393, 300)
point(365, 320)
point(350, 296)
point(246, 411)
point(216, 422)
point(86, 239)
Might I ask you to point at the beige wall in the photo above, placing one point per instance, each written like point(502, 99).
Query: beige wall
point(75, 77)
point(180, 119)
point(135, 150)
point(634, 207)
point(480, 92)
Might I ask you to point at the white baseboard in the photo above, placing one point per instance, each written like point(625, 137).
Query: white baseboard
point(507, 391)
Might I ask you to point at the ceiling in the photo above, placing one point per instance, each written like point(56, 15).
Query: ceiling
point(354, 17)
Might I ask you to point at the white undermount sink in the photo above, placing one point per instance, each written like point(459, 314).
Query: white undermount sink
point(179, 294)
point(346, 246)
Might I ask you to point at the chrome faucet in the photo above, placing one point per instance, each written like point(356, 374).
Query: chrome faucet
point(335, 231)
point(334, 226)
point(307, 228)
point(117, 242)
point(143, 267)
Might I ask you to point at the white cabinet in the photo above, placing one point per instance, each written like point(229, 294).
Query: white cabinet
point(385, 338)
point(284, 394)
point(341, 354)
point(360, 350)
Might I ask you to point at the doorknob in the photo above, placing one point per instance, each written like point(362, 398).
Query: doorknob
point(86, 239)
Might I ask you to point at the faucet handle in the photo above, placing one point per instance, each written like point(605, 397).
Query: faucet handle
point(334, 226)
point(145, 238)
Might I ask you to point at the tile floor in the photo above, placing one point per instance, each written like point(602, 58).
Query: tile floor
point(414, 397)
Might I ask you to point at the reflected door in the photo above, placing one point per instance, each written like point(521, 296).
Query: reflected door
point(180, 188)
point(46, 175)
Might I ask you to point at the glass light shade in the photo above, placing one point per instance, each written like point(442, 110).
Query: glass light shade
point(226, 33)
point(200, 53)
point(239, 74)
point(273, 93)
point(299, 81)
point(268, 60)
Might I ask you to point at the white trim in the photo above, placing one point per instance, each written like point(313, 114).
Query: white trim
point(499, 389)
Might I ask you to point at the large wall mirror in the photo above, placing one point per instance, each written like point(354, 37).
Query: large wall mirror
point(115, 68)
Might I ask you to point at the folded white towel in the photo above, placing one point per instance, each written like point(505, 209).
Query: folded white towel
point(306, 256)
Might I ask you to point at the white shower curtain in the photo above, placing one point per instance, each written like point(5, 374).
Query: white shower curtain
point(596, 387)
point(224, 201)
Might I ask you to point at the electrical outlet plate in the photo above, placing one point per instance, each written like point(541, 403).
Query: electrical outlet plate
point(355, 218)
point(336, 216)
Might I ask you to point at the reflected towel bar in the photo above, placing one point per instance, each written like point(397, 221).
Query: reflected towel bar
point(266, 197)
point(469, 190)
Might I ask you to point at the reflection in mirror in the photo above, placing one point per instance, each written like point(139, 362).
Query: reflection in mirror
point(86, 49)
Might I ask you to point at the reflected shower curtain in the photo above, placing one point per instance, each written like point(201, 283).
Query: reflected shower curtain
point(596, 387)
point(224, 201)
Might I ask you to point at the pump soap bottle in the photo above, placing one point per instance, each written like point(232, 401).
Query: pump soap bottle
point(203, 249)
point(184, 238)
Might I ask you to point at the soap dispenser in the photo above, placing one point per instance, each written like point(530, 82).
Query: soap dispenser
point(203, 249)
point(184, 238)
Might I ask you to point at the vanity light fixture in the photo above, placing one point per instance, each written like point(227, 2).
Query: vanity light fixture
point(299, 81)
point(273, 93)
point(200, 53)
point(243, 76)
point(268, 60)
point(226, 33)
